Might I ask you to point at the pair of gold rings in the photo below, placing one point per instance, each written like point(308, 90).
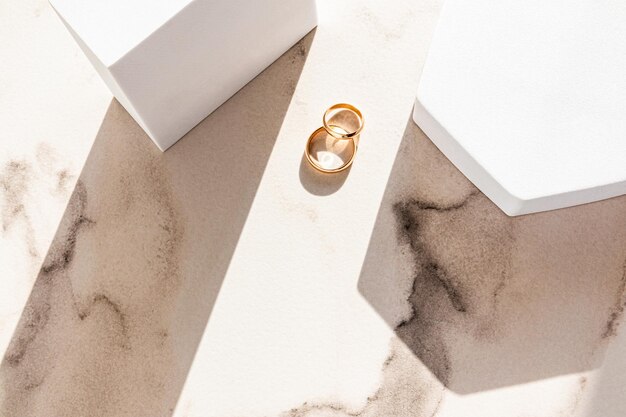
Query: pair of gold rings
point(332, 147)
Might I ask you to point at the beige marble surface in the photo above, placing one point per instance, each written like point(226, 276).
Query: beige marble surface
point(225, 278)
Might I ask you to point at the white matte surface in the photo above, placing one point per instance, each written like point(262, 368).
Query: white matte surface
point(170, 64)
point(272, 269)
point(112, 28)
point(528, 99)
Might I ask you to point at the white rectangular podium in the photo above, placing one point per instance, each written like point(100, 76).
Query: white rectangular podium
point(171, 63)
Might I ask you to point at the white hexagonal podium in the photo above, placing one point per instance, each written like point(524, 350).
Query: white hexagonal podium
point(528, 99)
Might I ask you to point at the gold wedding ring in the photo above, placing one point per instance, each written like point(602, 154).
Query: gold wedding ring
point(332, 147)
point(351, 125)
point(327, 161)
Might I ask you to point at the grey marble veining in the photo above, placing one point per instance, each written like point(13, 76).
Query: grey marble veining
point(492, 301)
point(95, 334)
point(223, 278)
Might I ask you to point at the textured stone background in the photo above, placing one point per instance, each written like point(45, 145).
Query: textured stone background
point(225, 278)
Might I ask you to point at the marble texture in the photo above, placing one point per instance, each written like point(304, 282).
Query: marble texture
point(225, 278)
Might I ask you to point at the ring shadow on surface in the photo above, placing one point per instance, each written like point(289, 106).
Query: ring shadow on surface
point(319, 183)
point(125, 292)
point(484, 300)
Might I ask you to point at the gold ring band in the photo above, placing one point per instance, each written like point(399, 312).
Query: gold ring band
point(345, 135)
point(314, 162)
